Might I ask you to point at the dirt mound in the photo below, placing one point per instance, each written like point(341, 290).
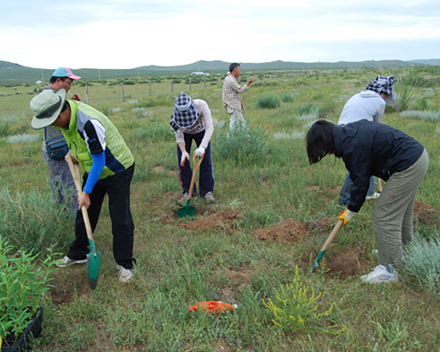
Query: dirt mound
point(222, 220)
point(289, 231)
point(346, 263)
point(424, 213)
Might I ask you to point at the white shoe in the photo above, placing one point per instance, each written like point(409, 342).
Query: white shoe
point(375, 195)
point(209, 198)
point(379, 275)
point(66, 261)
point(125, 275)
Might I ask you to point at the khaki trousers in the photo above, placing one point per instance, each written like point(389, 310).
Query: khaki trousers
point(393, 213)
point(236, 117)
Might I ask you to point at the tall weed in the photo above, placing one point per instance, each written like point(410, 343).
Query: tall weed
point(31, 221)
point(268, 101)
point(242, 145)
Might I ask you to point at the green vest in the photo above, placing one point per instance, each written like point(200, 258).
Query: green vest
point(117, 155)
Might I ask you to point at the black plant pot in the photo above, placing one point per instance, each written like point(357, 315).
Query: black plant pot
point(34, 328)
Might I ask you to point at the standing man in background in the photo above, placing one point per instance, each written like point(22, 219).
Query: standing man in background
point(61, 181)
point(231, 95)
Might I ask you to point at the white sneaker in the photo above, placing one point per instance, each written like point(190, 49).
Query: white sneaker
point(209, 198)
point(66, 261)
point(375, 195)
point(379, 275)
point(125, 275)
point(182, 201)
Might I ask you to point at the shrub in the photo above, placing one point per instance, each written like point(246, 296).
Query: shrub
point(308, 108)
point(24, 138)
point(297, 309)
point(242, 145)
point(430, 115)
point(31, 221)
point(268, 101)
point(4, 128)
point(287, 98)
point(422, 263)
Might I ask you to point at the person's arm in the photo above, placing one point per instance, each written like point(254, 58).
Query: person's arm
point(203, 109)
point(233, 85)
point(95, 139)
point(360, 173)
point(379, 115)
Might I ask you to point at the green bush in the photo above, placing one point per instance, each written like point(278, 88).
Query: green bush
point(242, 145)
point(4, 128)
point(287, 98)
point(308, 108)
point(31, 221)
point(268, 101)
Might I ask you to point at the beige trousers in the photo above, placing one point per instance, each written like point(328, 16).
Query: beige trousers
point(393, 213)
point(236, 117)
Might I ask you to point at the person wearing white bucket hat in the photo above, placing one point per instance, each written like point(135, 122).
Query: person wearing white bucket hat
point(368, 105)
point(97, 145)
point(191, 120)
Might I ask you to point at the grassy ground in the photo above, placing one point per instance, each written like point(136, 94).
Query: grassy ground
point(179, 267)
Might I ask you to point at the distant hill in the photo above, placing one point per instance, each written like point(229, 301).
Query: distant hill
point(433, 62)
point(12, 73)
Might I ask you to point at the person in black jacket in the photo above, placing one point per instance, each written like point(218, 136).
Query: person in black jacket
point(370, 148)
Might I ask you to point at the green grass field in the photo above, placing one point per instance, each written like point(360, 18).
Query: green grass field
point(228, 261)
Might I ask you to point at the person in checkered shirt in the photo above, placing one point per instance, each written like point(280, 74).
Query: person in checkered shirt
point(231, 96)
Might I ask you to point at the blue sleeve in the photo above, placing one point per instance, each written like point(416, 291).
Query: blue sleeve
point(95, 171)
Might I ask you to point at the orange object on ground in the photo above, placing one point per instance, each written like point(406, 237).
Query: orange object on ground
point(212, 307)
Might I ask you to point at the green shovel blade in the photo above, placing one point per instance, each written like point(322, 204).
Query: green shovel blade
point(318, 259)
point(93, 266)
point(186, 210)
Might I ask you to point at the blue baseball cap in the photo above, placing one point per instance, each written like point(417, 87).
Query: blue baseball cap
point(64, 72)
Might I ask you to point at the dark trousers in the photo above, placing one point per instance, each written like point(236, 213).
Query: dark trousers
point(117, 187)
point(206, 176)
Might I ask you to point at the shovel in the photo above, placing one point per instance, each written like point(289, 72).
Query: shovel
point(326, 245)
point(94, 257)
point(188, 210)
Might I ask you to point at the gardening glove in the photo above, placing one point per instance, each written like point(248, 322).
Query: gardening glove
point(199, 152)
point(345, 216)
point(185, 156)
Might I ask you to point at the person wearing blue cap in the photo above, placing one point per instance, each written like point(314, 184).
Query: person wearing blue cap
point(61, 181)
point(191, 120)
point(368, 105)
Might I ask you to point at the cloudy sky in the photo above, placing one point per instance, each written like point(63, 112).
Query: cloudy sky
point(132, 33)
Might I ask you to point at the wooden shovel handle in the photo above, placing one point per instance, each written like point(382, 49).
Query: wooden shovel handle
point(332, 235)
point(74, 170)
point(193, 179)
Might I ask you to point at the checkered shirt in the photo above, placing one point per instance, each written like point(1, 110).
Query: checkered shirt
point(231, 93)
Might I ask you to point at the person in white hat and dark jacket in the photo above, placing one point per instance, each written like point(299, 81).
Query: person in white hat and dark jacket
point(368, 105)
point(191, 120)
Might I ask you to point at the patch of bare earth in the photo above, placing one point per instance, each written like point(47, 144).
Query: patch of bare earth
point(424, 213)
point(345, 263)
point(287, 232)
point(67, 282)
point(221, 220)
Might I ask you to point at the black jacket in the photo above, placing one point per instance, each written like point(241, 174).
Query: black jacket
point(371, 148)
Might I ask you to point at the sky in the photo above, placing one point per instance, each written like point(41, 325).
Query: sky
point(121, 34)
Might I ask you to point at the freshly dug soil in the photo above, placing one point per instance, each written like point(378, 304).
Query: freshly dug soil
point(287, 232)
point(346, 263)
point(424, 213)
point(222, 220)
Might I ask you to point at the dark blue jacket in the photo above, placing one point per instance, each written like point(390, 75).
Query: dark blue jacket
point(371, 148)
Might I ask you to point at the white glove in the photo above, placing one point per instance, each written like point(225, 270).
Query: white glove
point(185, 155)
point(199, 152)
